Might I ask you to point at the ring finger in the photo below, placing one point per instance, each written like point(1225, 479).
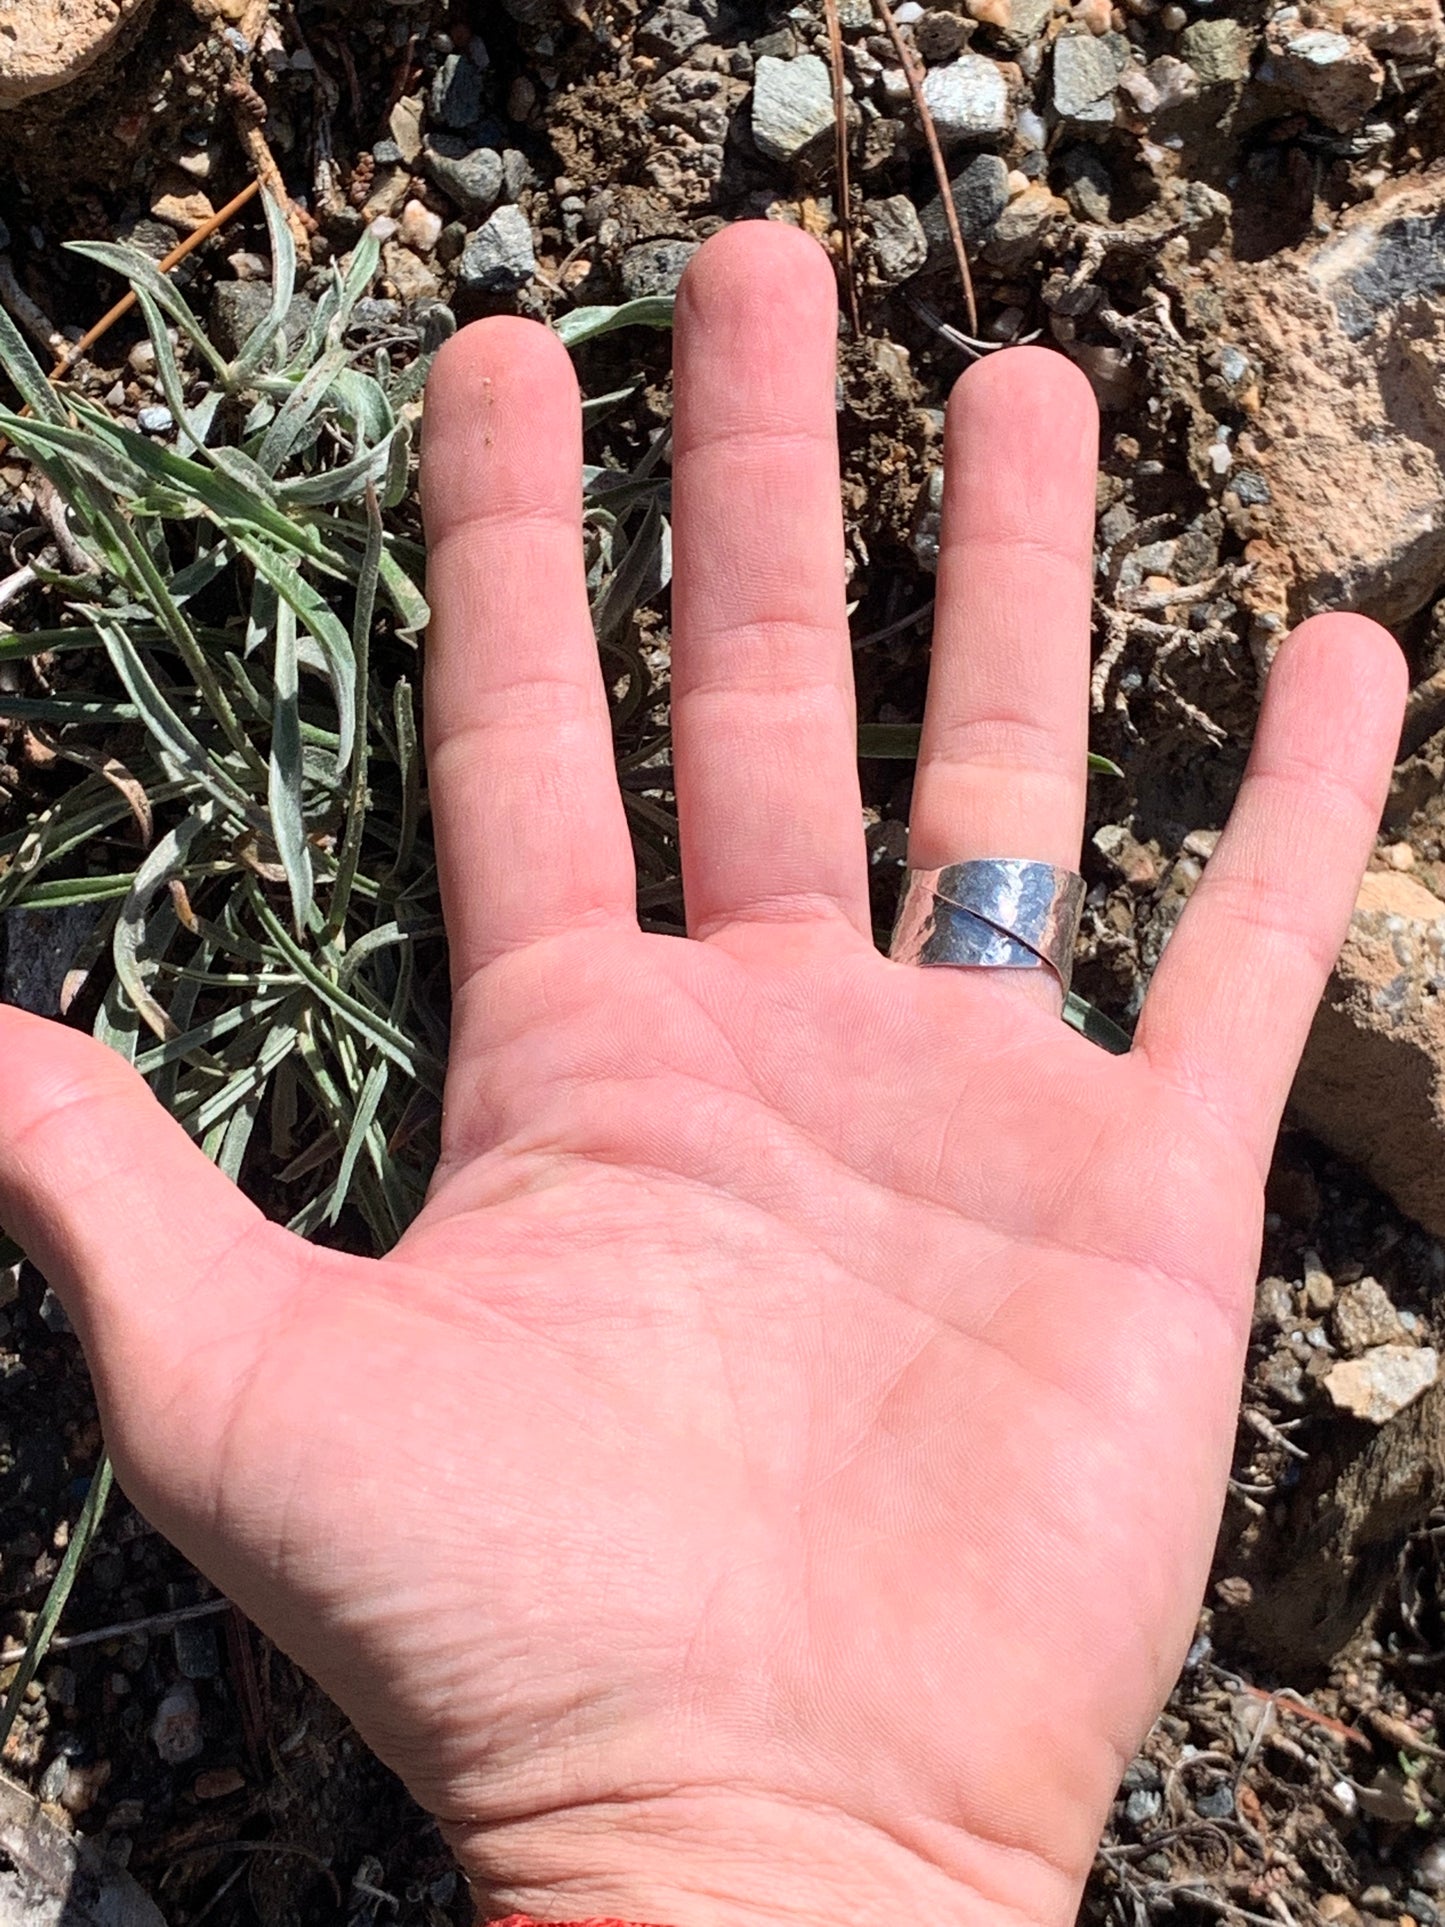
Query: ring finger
point(1002, 770)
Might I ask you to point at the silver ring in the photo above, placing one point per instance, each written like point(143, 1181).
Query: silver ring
point(997, 913)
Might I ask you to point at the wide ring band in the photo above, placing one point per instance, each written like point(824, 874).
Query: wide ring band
point(995, 913)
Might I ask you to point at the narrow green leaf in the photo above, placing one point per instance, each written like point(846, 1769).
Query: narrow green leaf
point(27, 374)
point(64, 891)
point(372, 1092)
point(142, 273)
point(361, 649)
point(262, 342)
point(585, 324)
point(165, 861)
point(1102, 766)
point(393, 1043)
point(48, 1618)
point(179, 746)
point(344, 484)
point(325, 628)
point(288, 810)
point(1091, 1022)
point(624, 587)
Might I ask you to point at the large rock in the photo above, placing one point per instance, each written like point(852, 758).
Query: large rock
point(1372, 1084)
point(1336, 479)
point(46, 43)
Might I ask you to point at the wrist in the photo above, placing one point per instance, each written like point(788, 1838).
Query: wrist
point(730, 1859)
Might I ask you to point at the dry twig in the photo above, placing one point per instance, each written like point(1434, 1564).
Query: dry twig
point(935, 154)
point(840, 136)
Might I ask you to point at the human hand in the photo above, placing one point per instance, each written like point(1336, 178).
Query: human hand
point(776, 1475)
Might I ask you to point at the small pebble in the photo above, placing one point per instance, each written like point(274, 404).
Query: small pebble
point(155, 420)
point(420, 227)
point(248, 267)
point(1430, 1867)
point(218, 1783)
point(176, 1729)
point(1173, 19)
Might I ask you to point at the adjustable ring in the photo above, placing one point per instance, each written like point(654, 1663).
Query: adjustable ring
point(994, 913)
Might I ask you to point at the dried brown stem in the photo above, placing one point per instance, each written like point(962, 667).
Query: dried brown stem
point(840, 135)
point(935, 154)
point(177, 254)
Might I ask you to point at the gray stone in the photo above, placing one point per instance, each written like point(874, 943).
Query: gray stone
point(1087, 185)
point(1333, 77)
point(673, 29)
point(1086, 76)
point(1406, 258)
point(1218, 50)
point(50, 1877)
point(499, 257)
point(404, 124)
point(968, 99)
point(518, 173)
point(792, 105)
point(939, 35)
point(1143, 1806)
point(1364, 1316)
point(239, 307)
point(155, 420)
point(1019, 230)
point(655, 267)
point(176, 1729)
point(1384, 1381)
point(928, 523)
point(900, 247)
point(456, 94)
point(1250, 490)
point(470, 177)
point(1027, 20)
point(1273, 1304)
point(980, 195)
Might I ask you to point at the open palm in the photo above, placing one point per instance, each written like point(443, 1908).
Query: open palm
point(775, 1476)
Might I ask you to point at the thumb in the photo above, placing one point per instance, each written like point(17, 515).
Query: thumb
point(154, 1252)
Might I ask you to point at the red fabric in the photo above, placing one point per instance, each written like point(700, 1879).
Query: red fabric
point(597, 1920)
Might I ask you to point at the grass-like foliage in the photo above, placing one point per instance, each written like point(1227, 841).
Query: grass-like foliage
point(255, 589)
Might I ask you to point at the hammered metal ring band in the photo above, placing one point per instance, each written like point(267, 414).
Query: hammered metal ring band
point(997, 913)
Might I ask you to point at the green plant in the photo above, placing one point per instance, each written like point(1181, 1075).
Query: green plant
point(276, 950)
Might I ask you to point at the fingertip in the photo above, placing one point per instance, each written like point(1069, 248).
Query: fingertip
point(1353, 653)
point(1030, 382)
point(503, 424)
point(502, 348)
point(758, 275)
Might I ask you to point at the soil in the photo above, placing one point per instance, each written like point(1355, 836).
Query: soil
point(1295, 1777)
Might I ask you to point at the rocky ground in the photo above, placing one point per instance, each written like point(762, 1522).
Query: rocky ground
point(1234, 221)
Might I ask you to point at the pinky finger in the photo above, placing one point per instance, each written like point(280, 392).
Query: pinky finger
point(1237, 987)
